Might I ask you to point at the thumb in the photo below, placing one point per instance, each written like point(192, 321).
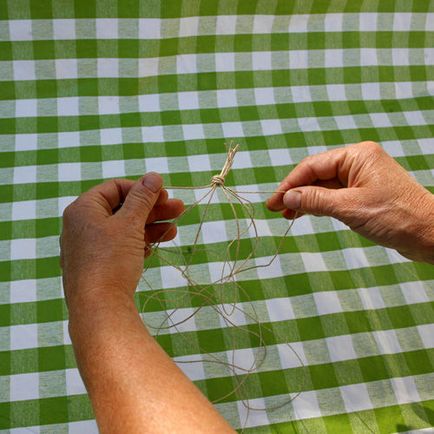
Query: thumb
point(318, 201)
point(141, 198)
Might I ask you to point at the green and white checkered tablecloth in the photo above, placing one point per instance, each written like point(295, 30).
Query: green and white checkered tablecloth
point(91, 90)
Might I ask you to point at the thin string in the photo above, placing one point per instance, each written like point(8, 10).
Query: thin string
point(214, 297)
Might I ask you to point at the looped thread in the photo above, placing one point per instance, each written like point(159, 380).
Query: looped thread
point(219, 180)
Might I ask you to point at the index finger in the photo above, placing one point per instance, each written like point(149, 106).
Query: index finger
point(320, 167)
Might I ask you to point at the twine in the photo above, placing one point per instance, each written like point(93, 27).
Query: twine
point(235, 266)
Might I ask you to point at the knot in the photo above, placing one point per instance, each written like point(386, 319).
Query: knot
point(217, 180)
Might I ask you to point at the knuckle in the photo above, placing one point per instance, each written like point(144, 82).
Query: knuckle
point(70, 211)
point(372, 147)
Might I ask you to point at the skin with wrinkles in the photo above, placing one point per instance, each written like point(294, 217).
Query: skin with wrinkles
point(366, 189)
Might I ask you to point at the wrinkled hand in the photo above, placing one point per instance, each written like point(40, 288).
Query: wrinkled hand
point(366, 189)
point(107, 232)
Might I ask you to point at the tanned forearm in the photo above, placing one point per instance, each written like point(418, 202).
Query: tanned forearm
point(133, 385)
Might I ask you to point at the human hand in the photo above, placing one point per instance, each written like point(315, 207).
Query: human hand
point(366, 189)
point(107, 232)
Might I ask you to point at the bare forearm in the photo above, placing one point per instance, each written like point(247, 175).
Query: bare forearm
point(133, 385)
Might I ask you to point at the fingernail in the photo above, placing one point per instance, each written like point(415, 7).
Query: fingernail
point(152, 181)
point(292, 199)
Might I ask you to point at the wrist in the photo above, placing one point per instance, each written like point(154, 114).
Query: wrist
point(96, 310)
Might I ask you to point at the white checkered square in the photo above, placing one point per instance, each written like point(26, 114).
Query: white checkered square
point(24, 70)
point(113, 169)
point(23, 248)
point(108, 105)
point(227, 98)
point(250, 418)
point(192, 366)
point(188, 26)
point(313, 262)
point(264, 96)
point(371, 91)
point(306, 405)
point(291, 355)
point(279, 157)
point(74, 383)
point(20, 30)
point(356, 397)
point(24, 386)
point(334, 58)
point(157, 164)
point(426, 333)
point(69, 172)
point(387, 341)
point(106, 28)
point(149, 28)
point(64, 29)
point(371, 298)
point(232, 315)
point(24, 210)
point(333, 22)
point(271, 127)
point(402, 22)
point(68, 106)
point(108, 68)
point(298, 59)
point(23, 291)
point(111, 136)
point(26, 142)
point(243, 360)
point(226, 25)
point(153, 134)
point(261, 60)
point(336, 92)
point(24, 336)
point(263, 24)
point(148, 67)
point(279, 309)
point(68, 139)
point(66, 68)
point(25, 174)
point(26, 108)
point(224, 62)
point(414, 292)
point(181, 320)
point(199, 163)
point(172, 278)
point(149, 103)
point(232, 130)
point(213, 232)
point(327, 302)
point(193, 131)
point(186, 64)
point(341, 348)
point(405, 390)
point(368, 22)
point(188, 100)
point(368, 57)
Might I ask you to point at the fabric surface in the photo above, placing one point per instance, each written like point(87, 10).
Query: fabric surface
point(95, 90)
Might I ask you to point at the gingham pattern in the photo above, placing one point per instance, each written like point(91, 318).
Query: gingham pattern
point(94, 90)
